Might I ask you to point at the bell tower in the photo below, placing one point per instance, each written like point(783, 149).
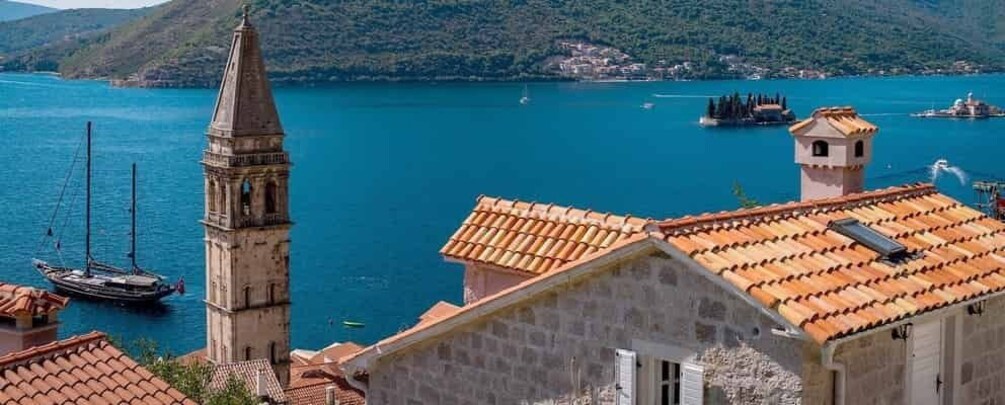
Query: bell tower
point(833, 147)
point(247, 218)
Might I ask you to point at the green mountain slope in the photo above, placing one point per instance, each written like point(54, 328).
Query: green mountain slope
point(184, 42)
point(40, 42)
point(12, 10)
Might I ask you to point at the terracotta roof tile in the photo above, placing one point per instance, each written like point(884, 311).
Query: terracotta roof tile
point(67, 372)
point(844, 119)
point(17, 300)
point(534, 238)
point(829, 285)
point(247, 372)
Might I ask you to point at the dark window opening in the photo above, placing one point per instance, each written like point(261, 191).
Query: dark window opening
point(247, 353)
point(270, 197)
point(246, 197)
point(859, 149)
point(272, 293)
point(272, 352)
point(889, 249)
point(247, 297)
point(820, 148)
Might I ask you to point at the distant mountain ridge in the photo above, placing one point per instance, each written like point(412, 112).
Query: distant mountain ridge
point(40, 42)
point(184, 42)
point(13, 10)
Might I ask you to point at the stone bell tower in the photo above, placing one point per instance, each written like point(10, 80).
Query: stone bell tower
point(833, 147)
point(247, 218)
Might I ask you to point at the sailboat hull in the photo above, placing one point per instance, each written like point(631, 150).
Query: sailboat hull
point(119, 288)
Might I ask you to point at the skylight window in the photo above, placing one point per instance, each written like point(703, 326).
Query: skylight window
point(888, 248)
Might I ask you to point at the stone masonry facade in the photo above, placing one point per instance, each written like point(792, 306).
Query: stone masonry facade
point(559, 347)
point(982, 364)
point(876, 369)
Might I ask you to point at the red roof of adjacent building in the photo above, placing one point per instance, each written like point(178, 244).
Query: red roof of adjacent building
point(831, 286)
point(83, 370)
point(789, 260)
point(18, 300)
point(534, 238)
point(247, 372)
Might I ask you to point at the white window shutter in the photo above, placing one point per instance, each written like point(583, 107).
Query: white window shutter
point(624, 371)
point(692, 386)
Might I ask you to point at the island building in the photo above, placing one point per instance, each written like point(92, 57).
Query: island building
point(846, 297)
point(247, 217)
point(28, 317)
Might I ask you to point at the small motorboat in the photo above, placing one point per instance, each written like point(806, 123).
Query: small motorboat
point(525, 99)
point(941, 164)
point(648, 106)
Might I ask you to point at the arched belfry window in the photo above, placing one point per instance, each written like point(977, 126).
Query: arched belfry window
point(820, 148)
point(247, 353)
point(272, 352)
point(859, 149)
point(211, 196)
point(246, 197)
point(270, 197)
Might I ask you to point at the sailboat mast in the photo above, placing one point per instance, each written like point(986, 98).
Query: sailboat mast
point(132, 231)
point(87, 233)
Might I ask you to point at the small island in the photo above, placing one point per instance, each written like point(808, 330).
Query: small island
point(755, 110)
point(969, 108)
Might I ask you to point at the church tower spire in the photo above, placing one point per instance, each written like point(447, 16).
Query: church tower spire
point(247, 216)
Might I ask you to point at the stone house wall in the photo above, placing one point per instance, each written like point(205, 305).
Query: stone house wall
point(875, 369)
point(560, 347)
point(982, 360)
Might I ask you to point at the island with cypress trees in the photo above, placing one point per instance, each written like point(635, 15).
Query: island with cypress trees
point(734, 110)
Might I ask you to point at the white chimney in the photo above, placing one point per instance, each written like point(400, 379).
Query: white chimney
point(261, 384)
point(330, 398)
point(833, 147)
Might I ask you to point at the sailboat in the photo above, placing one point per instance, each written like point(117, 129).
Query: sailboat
point(526, 96)
point(103, 281)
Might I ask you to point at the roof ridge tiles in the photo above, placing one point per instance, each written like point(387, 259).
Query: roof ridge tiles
point(57, 347)
point(791, 209)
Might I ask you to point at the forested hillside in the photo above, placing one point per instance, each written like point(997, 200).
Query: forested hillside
point(38, 43)
point(184, 42)
point(13, 10)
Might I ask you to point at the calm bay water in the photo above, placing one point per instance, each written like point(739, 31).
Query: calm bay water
point(384, 174)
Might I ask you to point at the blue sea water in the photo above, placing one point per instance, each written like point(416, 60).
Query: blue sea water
point(385, 173)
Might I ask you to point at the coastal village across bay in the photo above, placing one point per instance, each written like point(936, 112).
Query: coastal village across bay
point(847, 296)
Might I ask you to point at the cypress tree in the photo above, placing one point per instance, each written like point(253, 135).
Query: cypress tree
point(711, 108)
point(785, 104)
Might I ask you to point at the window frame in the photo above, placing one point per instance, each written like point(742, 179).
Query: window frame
point(820, 148)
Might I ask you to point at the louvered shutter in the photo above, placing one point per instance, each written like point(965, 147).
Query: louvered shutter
point(624, 371)
point(692, 386)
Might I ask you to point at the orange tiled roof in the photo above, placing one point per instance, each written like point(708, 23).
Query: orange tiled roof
point(16, 300)
point(83, 369)
point(314, 394)
point(844, 119)
point(830, 286)
point(247, 372)
point(308, 385)
point(534, 238)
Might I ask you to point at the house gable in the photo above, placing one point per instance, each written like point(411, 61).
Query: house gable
point(560, 343)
